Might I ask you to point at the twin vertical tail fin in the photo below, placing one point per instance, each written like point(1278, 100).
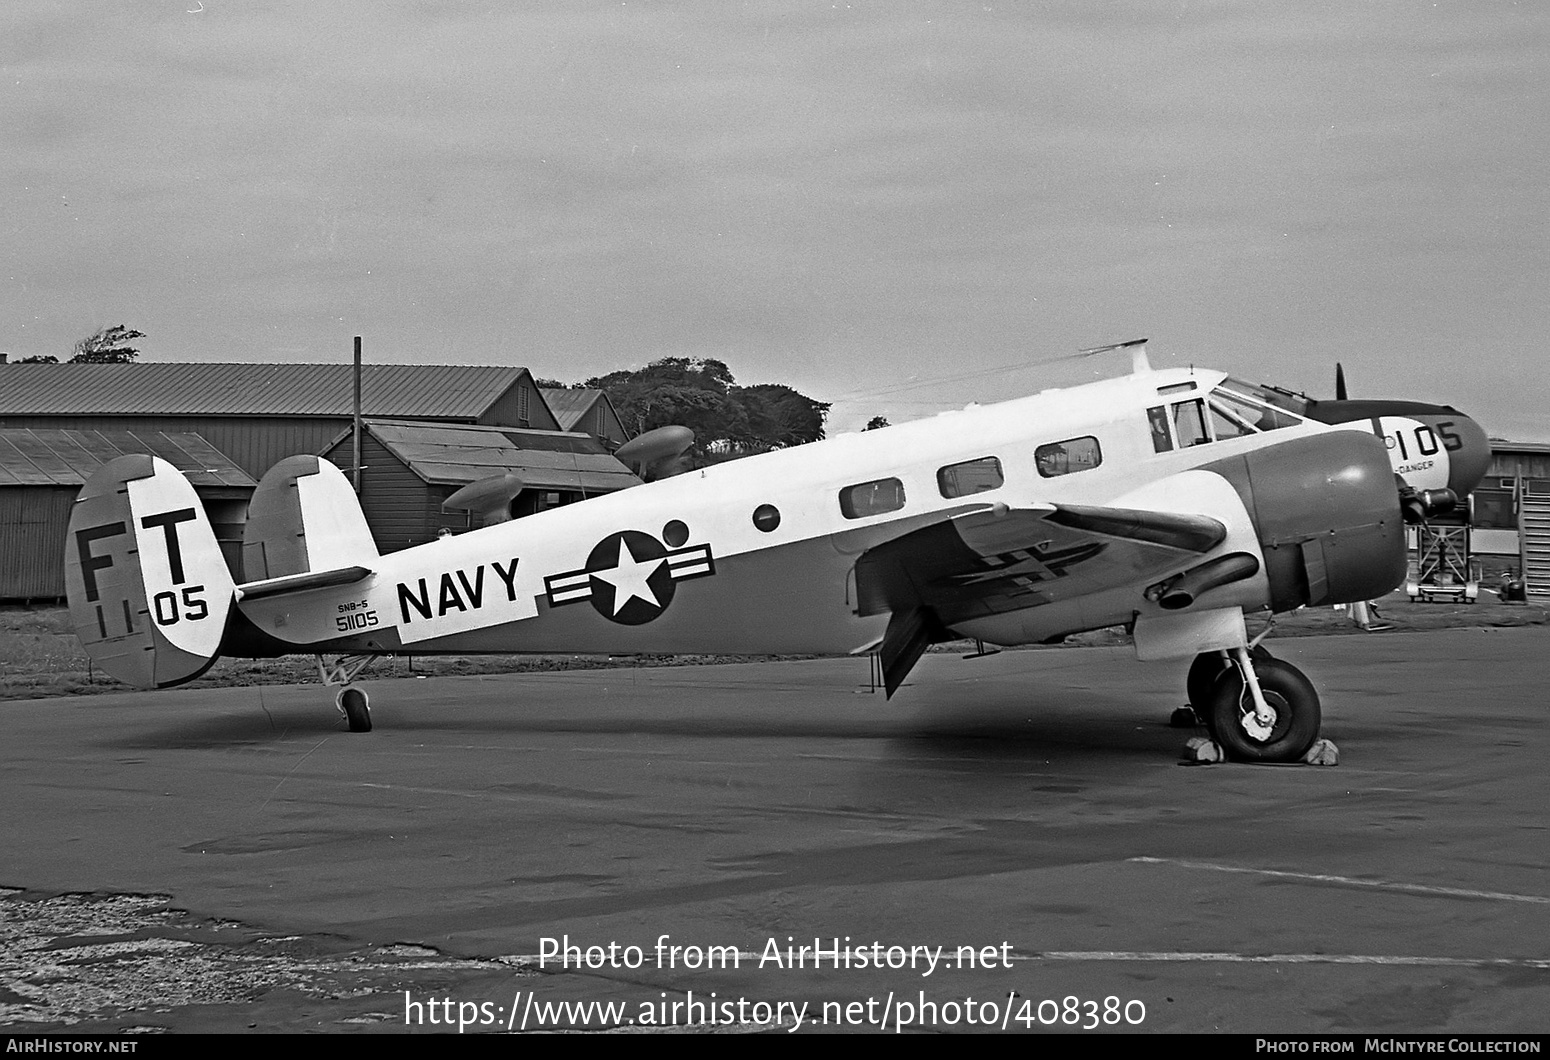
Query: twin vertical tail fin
point(305, 519)
point(149, 589)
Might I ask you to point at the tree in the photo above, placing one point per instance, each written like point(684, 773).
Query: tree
point(701, 394)
point(876, 423)
point(108, 346)
point(45, 358)
point(779, 417)
point(694, 393)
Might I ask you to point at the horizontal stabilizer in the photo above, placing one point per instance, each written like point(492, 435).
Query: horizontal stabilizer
point(300, 583)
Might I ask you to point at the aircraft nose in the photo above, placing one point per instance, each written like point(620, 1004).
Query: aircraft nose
point(1467, 464)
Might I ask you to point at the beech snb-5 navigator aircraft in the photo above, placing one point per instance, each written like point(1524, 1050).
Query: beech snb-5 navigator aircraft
point(1171, 502)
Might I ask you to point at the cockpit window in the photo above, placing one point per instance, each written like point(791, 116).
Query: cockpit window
point(1228, 424)
point(1252, 408)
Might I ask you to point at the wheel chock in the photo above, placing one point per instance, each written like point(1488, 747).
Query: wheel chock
point(1322, 753)
point(1203, 751)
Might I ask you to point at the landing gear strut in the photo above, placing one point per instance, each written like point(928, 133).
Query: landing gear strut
point(1204, 672)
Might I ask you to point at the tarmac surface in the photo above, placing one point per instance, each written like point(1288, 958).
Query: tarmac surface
point(233, 860)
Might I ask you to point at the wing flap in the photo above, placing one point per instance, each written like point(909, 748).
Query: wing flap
point(1002, 559)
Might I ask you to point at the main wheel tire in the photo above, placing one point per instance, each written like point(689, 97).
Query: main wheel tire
point(1203, 674)
point(357, 709)
point(1287, 692)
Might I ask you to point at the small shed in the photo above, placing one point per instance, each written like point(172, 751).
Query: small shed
point(409, 469)
point(588, 411)
point(41, 471)
point(1510, 515)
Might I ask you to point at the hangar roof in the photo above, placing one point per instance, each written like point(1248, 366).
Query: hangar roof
point(68, 458)
point(571, 404)
point(457, 454)
point(166, 389)
point(1502, 445)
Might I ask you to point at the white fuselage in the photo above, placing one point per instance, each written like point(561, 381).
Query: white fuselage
point(734, 583)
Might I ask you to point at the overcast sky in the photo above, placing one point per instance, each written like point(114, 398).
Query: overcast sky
point(895, 206)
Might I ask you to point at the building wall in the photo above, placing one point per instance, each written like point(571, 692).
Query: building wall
point(1526, 477)
point(508, 410)
point(401, 509)
point(34, 529)
point(1511, 464)
point(605, 426)
point(257, 443)
point(33, 521)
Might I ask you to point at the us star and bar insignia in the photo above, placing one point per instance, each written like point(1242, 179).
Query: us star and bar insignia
point(630, 577)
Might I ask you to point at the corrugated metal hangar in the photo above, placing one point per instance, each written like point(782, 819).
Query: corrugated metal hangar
point(410, 469)
point(41, 471)
point(259, 414)
point(431, 430)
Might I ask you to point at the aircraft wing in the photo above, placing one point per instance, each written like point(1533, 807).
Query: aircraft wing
point(1005, 559)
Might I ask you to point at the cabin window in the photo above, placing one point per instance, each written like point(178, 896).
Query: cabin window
point(872, 498)
point(1068, 457)
point(1157, 420)
point(971, 476)
point(1189, 422)
point(766, 518)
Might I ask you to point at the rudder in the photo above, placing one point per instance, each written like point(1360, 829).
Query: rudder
point(148, 587)
point(304, 517)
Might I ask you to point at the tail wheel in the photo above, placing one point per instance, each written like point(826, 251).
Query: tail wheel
point(356, 708)
point(1204, 671)
point(1291, 698)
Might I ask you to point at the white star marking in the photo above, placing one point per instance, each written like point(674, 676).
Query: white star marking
point(629, 578)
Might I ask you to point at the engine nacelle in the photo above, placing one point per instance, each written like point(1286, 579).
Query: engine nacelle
point(1327, 515)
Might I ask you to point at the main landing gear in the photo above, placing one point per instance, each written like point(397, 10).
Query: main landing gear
point(355, 705)
point(352, 701)
point(1257, 707)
